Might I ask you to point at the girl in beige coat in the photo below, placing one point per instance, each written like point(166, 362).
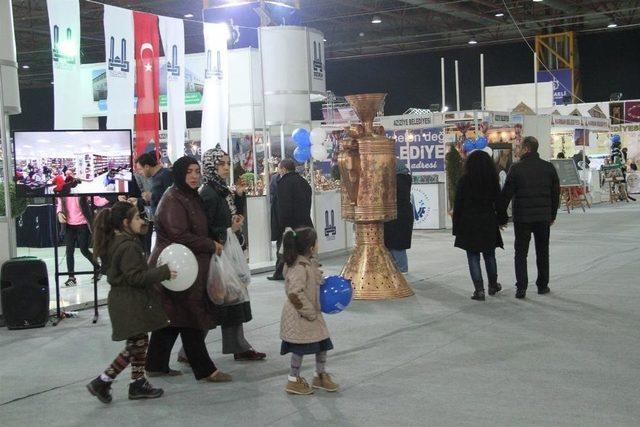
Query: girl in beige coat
point(302, 327)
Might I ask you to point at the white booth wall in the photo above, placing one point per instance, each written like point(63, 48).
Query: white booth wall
point(508, 97)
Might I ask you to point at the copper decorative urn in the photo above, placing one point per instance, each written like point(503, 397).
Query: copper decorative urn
point(367, 165)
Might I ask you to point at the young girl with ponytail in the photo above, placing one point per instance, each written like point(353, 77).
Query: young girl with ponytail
point(302, 327)
point(134, 307)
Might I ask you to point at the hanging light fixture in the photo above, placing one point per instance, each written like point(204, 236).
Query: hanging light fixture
point(376, 19)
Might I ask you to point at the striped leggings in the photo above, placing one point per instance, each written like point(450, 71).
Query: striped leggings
point(134, 353)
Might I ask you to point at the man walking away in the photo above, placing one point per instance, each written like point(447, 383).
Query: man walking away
point(294, 203)
point(534, 186)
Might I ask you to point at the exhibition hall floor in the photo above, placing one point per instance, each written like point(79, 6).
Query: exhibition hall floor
point(438, 358)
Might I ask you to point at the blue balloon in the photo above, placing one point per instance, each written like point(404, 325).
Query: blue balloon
point(301, 154)
point(469, 145)
point(335, 294)
point(301, 137)
point(481, 142)
point(615, 138)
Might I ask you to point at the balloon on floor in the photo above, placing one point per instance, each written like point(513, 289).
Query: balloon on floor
point(335, 294)
point(181, 260)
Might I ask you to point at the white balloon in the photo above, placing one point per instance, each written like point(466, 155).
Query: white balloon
point(318, 135)
point(488, 150)
point(180, 259)
point(319, 152)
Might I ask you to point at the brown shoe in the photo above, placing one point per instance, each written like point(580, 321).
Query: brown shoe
point(298, 386)
point(324, 382)
point(219, 377)
point(170, 373)
point(250, 355)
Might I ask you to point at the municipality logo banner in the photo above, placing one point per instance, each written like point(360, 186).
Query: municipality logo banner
point(64, 25)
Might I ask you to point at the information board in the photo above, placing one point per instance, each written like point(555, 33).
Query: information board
point(567, 172)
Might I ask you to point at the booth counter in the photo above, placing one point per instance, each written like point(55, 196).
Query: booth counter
point(331, 228)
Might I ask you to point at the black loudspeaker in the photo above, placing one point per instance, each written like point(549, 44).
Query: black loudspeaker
point(24, 284)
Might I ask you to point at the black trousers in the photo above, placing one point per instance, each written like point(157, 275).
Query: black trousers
point(146, 239)
point(162, 341)
point(279, 262)
point(540, 231)
point(81, 235)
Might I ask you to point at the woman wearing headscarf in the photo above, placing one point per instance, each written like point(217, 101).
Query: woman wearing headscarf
point(225, 209)
point(180, 218)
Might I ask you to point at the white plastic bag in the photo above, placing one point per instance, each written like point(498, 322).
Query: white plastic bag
point(235, 254)
point(229, 274)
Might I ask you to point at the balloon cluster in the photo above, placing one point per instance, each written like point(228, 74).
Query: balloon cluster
point(309, 144)
point(615, 139)
point(481, 143)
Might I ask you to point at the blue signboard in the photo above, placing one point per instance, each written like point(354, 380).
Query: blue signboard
point(562, 83)
point(422, 149)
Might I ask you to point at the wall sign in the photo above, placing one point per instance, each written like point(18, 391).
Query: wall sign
point(422, 149)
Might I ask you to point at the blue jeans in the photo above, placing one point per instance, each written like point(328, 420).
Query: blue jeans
point(489, 263)
point(400, 257)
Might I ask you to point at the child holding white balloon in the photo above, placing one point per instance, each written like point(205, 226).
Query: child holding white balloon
point(134, 306)
point(302, 327)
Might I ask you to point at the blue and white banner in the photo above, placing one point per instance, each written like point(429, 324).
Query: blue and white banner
point(64, 24)
point(423, 150)
point(172, 34)
point(215, 103)
point(121, 69)
point(562, 83)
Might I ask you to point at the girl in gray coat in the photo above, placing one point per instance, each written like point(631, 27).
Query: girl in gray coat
point(302, 327)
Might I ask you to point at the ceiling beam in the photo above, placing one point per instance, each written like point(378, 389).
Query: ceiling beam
point(450, 9)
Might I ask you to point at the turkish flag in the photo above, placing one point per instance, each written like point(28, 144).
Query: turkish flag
point(147, 122)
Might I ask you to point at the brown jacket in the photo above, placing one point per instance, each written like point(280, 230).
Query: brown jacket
point(302, 321)
point(180, 218)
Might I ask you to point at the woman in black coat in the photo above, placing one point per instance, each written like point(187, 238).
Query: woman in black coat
point(475, 220)
point(397, 233)
point(226, 209)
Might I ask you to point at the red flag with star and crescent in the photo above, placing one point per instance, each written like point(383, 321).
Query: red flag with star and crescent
point(147, 122)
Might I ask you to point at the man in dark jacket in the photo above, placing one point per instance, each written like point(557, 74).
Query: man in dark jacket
point(276, 235)
point(293, 198)
point(534, 185)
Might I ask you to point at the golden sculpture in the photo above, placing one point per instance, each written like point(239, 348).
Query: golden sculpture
point(367, 166)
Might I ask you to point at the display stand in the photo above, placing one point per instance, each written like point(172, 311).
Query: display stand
point(58, 274)
point(571, 199)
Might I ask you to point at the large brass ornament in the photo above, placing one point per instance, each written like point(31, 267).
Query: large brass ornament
point(367, 166)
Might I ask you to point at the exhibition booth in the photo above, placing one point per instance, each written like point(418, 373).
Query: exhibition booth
point(255, 99)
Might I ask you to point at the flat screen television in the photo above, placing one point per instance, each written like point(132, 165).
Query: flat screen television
point(72, 163)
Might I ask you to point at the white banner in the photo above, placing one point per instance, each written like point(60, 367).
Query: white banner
point(317, 65)
point(172, 34)
point(64, 24)
point(121, 67)
point(215, 104)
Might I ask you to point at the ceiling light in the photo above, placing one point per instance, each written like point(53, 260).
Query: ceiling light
point(499, 15)
point(26, 67)
point(361, 34)
point(612, 25)
point(188, 15)
point(473, 41)
point(537, 1)
point(324, 40)
point(376, 20)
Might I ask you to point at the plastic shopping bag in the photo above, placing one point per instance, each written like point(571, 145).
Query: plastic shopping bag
point(229, 274)
point(235, 254)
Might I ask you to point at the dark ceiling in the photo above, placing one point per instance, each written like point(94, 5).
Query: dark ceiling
point(407, 26)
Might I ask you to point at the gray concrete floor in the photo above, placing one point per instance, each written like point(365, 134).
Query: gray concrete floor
point(438, 358)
